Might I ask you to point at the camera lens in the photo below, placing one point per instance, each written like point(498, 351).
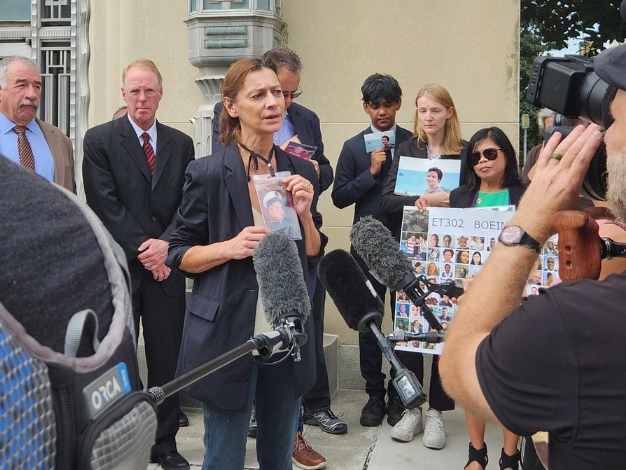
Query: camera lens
point(595, 182)
point(589, 98)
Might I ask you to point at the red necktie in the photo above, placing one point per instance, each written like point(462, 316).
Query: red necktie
point(27, 159)
point(149, 151)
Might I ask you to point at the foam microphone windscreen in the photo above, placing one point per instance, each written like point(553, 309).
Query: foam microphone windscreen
point(281, 280)
point(347, 286)
point(375, 244)
point(622, 10)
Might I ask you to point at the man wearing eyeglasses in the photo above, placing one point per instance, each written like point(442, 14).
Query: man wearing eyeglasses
point(133, 170)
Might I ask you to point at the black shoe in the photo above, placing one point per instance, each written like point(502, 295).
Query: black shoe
point(395, 408)
point(252, 428)
point(373, 412)
point(326, 420)
point(170, 461)
point(183, 421)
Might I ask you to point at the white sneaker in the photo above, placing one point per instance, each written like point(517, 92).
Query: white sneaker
point(434, 437)
point(408, 426)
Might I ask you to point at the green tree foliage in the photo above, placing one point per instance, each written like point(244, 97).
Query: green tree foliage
point(558, 21)
point(530, 47)
point(549, 25)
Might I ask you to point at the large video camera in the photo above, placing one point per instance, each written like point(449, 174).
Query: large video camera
point(569, 86)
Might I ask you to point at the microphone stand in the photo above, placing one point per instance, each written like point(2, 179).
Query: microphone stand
point(408, 387)
point(417, 288)
point(288, 335)
point(428, 337)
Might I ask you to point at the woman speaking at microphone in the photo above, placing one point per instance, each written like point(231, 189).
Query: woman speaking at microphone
point(218, 226)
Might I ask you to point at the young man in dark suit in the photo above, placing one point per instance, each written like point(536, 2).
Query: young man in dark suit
point(360, 179)
point(133, 170)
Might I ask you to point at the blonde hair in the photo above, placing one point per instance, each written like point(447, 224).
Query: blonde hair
point(145, 64)
point(452, 142)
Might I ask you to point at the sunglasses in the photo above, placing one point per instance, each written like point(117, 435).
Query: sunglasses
point(490, 154)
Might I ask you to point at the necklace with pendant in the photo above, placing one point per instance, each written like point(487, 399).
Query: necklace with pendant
point(485, 195)
point(431, 154)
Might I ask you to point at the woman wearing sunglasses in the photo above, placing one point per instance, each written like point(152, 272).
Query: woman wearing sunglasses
point(437, 135)
point(492, 180)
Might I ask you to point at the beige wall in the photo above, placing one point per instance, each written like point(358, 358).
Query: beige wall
point(121, 31)
point(470, 47)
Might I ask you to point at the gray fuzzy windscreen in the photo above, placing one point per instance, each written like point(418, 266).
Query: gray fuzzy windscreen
point(281, 280)
point(375, 244)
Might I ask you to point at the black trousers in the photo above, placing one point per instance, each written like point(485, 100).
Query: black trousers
point(370, 354)
point(319, 396)
point(162, 318)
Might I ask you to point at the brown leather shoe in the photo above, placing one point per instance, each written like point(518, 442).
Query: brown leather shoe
point(304, 456)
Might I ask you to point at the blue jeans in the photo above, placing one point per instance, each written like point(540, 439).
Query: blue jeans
point(277, 413)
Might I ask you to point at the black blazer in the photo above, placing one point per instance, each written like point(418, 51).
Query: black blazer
point(354, 184)
point(307, 126)
point(221, 311)
point(392, 204)
point(133, 205)
point(463, 197)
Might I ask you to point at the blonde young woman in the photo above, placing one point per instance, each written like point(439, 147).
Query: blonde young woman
point(436, 135)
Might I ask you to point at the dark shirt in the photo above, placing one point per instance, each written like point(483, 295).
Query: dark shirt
point(563, 352)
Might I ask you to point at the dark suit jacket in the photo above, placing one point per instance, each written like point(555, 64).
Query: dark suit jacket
point(392, 204)
point(463, 197)
point(215, 208)
point(354, 183)
point(307, 126)
point(62, 154)
point(133, 205)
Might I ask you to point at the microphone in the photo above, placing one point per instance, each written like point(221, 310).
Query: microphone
point(362, 310)
point(428, 337)
point(283, 291)
point(375, 244)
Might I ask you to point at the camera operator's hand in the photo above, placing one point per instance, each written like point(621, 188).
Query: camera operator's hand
point(560, 170)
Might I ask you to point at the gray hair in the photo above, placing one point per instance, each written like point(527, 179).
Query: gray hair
point(285, 59)
point(7, 61)
point(121, 108)
point(541, 118)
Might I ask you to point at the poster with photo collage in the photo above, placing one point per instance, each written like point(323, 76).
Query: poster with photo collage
point(453, 244)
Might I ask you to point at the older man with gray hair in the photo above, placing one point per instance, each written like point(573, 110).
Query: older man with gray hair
point(25, 139)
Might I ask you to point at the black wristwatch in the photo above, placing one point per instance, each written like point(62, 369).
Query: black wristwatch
point(514, 235)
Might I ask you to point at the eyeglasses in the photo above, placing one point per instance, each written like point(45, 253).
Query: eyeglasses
point(490, 154)
point(293, 95)
point(150, 92)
